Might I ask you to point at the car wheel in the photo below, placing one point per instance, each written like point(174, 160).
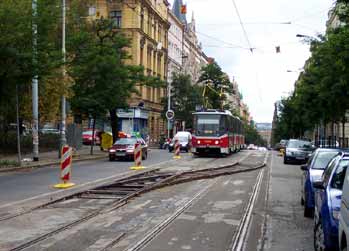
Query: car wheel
point(302, 201)
point(285, 161)
point(111, 158)
point(308, 212)
point(319, 238)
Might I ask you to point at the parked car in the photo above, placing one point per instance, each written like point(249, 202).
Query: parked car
point(49, 129)
point(184, 139)
point(343, 233)
point(87, 137)
point(312, 171)
point(252, 147)
point(125, 148)
point(328, 193)
point(297, 151)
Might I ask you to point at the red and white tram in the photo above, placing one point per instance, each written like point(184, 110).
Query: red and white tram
point(217, 132)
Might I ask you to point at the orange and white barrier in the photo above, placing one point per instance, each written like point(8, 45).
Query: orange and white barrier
point(66, 163)
point(177, 152)
point(138, 157)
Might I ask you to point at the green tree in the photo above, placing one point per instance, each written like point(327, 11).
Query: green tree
point(184, 98)
point(16, 52)
point(103, 82)
point(217, 86)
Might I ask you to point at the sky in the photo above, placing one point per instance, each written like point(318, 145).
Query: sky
point(263, 76)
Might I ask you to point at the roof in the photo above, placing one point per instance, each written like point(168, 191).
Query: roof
point(176, 9)
point(214, 112)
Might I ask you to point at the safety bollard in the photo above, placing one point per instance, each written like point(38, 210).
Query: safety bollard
point(66, 163)
point(137, 158)
point(177, 150)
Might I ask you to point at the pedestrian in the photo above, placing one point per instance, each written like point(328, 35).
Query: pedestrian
point(147, 139)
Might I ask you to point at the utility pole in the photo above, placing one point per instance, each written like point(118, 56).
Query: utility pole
point(168, 108)
point(63, 101)
point(18, 129)
point(35, 84)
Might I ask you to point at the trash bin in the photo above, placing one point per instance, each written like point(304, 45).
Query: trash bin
point(107, 141)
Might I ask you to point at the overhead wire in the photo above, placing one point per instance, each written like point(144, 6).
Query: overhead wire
point(242, 26)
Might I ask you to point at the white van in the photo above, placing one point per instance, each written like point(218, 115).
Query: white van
point(184, 139)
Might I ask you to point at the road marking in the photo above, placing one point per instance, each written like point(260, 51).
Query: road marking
point(162, 225)
point(10, 204)
point(240, 237)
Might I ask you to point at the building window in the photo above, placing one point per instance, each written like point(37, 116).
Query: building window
point(148, 93)
point(159, 33)
point(116, 16)
point(149, 58)
point(149, 25)
point(142, 19)
point(141, 56)
point(159, 65)
point(154, 31)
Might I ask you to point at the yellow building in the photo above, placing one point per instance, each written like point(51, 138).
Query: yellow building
point(145, 22)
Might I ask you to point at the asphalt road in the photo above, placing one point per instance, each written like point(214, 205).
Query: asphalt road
point(286, 228)
point(20, 185)
point(213, 222)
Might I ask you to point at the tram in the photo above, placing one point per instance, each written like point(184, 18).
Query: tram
point(217, 131)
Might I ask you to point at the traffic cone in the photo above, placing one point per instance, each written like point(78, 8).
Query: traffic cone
point(137, 158)
point(66, 163)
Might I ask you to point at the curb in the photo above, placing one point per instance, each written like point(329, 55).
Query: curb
point(48, 163)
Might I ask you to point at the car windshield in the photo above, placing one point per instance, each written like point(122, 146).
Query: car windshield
point(298, 144)
point(87, 133)
point(207, 125)
point(323, 158)
point(126, 141)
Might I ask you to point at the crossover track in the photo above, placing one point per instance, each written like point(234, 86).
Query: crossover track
point(119, 193)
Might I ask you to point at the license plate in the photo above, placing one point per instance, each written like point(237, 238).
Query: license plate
point(120, 154)
point(300, 158)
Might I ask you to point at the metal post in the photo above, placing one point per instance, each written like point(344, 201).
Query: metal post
point(18, 132)
point(63, 108)
point(168, 108)
point(35, 83)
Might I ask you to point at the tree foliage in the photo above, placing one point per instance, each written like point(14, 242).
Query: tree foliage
point(16, 52)
point(218, 86)
point(103, 82)
point(184, 98)
point(321, 94)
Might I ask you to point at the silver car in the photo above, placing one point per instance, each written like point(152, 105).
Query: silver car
point(297, 151)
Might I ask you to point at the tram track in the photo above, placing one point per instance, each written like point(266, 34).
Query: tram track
point(121, 192)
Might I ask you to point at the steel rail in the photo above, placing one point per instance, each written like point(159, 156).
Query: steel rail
point(169, 180)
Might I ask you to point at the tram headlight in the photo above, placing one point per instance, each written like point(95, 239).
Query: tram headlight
point(199, 142)
point(216, 142)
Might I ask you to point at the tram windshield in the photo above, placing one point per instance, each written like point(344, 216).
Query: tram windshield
point(207, 125)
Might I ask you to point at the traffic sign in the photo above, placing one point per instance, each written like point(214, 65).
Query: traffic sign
point(170, 114)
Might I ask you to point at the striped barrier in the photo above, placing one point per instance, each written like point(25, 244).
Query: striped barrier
point(177, 149)
point(66, 163)
point(137, 157)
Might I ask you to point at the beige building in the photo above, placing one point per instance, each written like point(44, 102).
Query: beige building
point(146, 24)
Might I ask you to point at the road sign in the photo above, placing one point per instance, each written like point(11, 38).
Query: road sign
point(170, 114)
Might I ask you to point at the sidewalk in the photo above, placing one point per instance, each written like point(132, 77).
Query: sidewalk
point(49, 158)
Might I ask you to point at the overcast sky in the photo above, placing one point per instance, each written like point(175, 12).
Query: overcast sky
point(262, 76)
